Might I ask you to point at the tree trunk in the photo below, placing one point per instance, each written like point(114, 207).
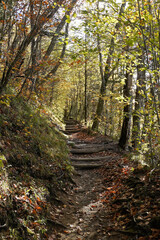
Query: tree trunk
point(41, 20)
point(55, 68)
point(124, 138)
point(85, 92)
point(136, 131)
point(107, 73)
point(58, 30)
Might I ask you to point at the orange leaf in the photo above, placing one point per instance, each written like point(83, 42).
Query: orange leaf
point(38, 199)
point(4, 5)
point(35, 224)
point(38, 207)
point(65, 231)
point(34, 211)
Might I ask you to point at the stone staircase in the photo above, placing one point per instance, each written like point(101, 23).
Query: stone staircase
point(82, 152)
point(72, 126)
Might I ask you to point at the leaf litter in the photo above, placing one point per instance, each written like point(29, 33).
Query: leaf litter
point(120, 200)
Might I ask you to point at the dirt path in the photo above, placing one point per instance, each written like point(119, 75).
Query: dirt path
point(86, 206)
point(109, 195)
point(83, 212)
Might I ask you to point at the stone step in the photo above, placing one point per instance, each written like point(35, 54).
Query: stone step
point(86, 146)
point(73, 125)
point(73, 128)
point(88, 150)
point(90, 159)
point(73, 122)
point(71, 132)
point(87, 165)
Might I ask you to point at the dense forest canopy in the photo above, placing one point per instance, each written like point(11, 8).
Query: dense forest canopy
point(97, 61)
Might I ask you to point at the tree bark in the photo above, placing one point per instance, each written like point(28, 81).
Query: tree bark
point(136, 131)
point(123, 141)
point(85, 84)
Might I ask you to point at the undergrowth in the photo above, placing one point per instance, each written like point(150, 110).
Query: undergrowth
point(33, 165)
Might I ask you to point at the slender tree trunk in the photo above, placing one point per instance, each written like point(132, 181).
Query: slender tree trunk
point(107, 73)
point(125, 131)
point(111, 112)
point(41, 20)
point(155, 105)
point(58, 30)
point(136, 131)
point(85, 91)
point(55, 68)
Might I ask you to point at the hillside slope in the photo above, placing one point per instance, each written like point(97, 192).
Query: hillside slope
point(34, 166)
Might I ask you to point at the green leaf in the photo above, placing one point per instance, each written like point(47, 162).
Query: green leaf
point(2, 160)
point(29, 231)
point(74, 15)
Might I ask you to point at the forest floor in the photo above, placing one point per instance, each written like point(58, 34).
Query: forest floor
point(118, 200)
point(107, 196)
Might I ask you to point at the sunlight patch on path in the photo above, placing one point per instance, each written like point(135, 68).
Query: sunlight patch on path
point(80, 228)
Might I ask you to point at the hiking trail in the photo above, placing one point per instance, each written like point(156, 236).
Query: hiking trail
point(86, 212)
